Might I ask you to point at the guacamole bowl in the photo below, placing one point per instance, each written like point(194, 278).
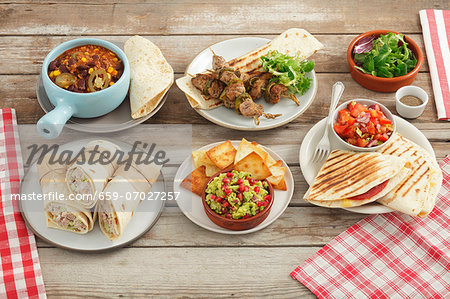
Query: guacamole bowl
point(248, 222)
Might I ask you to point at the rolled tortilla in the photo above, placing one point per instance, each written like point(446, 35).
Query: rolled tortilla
point(150, 75)
point(61, 212)
point(293, 41)
point(132, 186)
point(89, 179)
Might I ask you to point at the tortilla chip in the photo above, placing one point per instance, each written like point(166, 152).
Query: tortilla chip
point(281, 185)
point(277, 174)
point(222, 155)
point(196, 181)
point(246, 148)
point(201, 158)
point(254, 164)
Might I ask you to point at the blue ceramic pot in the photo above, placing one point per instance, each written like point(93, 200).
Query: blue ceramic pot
point(83, 105)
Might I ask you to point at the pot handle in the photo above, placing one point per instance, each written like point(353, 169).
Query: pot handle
point(52, 123)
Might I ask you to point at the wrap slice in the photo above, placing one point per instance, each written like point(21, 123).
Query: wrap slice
point(89, 179)
point(63, 214)
point(349, 179)
point(415, 195)
point(132, 186)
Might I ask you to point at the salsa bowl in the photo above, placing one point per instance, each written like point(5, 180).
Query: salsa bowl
point(237, 224)
point(381, 84)
point(368, 103)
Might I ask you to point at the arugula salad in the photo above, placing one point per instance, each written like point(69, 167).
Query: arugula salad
point(288, 70)
point(387, 56)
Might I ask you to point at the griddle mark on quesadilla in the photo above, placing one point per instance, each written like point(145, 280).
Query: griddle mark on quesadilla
point(418, 179)
point(338, 162)
point(341, 181)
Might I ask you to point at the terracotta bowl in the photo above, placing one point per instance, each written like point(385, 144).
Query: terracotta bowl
point(378, 83)
point(236, 224)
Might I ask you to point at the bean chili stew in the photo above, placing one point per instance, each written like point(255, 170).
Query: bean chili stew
point(86, 69)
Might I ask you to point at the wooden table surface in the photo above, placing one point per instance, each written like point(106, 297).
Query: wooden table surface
point(176, 257)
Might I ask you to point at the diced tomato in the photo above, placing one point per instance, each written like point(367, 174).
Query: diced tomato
point(339, 129)
point(351, 121)
point(384, 137)
point(383, 129)
point(371, 128)
point(385, 121)
point(375, 121)
point(343, 116)
point(349, 132)
point(361, 142)
point(374, 113)
point(352, 140)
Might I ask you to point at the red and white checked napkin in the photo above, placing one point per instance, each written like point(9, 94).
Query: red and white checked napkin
point(20, 272)
point(436, 35)
point(386, 256)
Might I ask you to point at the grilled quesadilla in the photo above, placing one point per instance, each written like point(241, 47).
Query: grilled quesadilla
point(349, 179)
point(416, 193)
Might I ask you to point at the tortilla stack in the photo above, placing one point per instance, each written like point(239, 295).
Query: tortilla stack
point(64, 214)
point(349, 179)
point(415, 194)
point(292, 42)
point(150, 75)
point(132, 185)
point(89, 179)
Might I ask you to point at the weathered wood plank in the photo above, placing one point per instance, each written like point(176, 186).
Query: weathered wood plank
point(298, 226)
point(19, 92)
point(25, 54)
point(211, 17)
point(175, 272)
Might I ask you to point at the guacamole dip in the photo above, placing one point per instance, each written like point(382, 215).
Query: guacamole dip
point(235, 195)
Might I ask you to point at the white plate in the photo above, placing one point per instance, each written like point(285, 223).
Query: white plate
point(144, 218)
point(191, 204)
point(310, 169)
point(228, 118)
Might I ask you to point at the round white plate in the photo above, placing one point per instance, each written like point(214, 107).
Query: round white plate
point(228, 118)
point(117, 120)
point(191, 204)
point(144, 218)
point(312, 138)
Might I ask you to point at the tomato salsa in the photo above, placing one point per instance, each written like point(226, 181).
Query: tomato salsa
point(86, 69)
point(363, 126)
point(235, 195)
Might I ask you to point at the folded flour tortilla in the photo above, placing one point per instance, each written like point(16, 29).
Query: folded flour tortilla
point(415, 195)
point(150, 75)
point(63, 214)
point(89, 179)
point(292, 42)
point(132, 185)
point(348, 174)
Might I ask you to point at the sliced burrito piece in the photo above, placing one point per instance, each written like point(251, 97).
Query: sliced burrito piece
point(88, 179)
point(415, 194)
point(131, 185)
point(61, 212)
point(349, 179)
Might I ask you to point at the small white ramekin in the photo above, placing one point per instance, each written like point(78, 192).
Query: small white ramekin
point(410, 111)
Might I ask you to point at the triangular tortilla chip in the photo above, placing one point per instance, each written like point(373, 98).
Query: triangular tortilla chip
point(254, 164)
point(277, 174)
point(201, 158)
point(196, 181)
point(222, 155)
point(281, 185)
